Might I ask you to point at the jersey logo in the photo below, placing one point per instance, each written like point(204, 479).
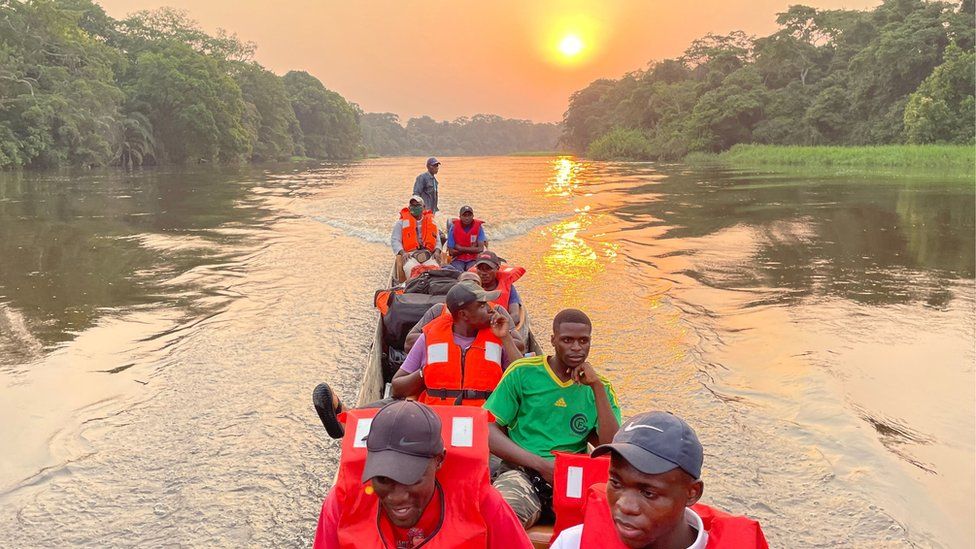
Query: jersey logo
point(560, 403)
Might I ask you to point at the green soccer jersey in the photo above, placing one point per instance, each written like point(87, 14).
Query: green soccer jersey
point(541, 412)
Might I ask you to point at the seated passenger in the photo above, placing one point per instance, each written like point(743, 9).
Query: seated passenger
point(439, 309)
point(547, 403)
point(655, 479)
point(495, 277)
point(460, 356)
point(465, 239)
point(419, 499)
point(415, 238)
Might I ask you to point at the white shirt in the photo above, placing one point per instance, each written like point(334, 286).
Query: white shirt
point(570, 538)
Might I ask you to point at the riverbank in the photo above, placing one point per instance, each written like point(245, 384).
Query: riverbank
point(952, 159)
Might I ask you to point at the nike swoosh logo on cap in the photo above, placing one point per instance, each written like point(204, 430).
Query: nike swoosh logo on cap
point(405, 442)
point(632, 426)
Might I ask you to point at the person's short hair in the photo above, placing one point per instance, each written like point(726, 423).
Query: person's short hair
point(574, 316)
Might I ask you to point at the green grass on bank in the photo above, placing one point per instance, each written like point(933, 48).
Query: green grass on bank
point(947, 158)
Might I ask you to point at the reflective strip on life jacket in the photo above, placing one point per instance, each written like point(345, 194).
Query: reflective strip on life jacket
point(467, 239)
point(455, 370)
point(572, 475)
point(463, 476)
point(725, 531)
point(408, 231)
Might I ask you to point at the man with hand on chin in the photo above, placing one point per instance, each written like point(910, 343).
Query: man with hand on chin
point(544, 404)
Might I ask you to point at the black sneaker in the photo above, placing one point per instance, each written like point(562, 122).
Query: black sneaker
point(322, 400)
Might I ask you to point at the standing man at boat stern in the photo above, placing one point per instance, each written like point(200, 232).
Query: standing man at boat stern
point(544, 404)
point(426, 184)
point(416, 487)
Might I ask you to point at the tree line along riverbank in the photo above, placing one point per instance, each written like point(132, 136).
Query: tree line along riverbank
point(79, 88)
point(901, 73)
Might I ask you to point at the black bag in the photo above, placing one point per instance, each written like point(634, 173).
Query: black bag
point(405, 311)
point(436, 282)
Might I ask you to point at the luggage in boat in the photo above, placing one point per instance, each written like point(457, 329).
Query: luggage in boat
point(435, 282)
point(405, 310)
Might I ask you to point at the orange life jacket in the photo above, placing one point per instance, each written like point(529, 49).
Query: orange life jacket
point(409, 231)
point(463, 477)
point(459, 377)
point(725, 531)
point(465, 238)
point(506, 276)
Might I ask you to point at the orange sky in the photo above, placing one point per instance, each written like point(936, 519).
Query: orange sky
point(450, 58)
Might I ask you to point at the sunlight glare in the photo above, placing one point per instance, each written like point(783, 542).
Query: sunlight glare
point(571, 45)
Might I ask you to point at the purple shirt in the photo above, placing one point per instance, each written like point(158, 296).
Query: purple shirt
point(417, 357)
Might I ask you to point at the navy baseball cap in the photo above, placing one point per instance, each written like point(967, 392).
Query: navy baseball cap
point(433, 161)
point(655, 443)
point(466, 209)
point(403, 437)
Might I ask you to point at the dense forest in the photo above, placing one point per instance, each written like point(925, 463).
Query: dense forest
point(483, 134)
point(79, 88)
point(901, 73)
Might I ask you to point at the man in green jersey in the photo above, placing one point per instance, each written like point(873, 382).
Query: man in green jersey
point(548, 403)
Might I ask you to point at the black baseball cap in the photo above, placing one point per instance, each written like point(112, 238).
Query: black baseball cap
point(466, 209)
point(655, 443)
point(403, 437)
point(488, 257)
point(466, 292)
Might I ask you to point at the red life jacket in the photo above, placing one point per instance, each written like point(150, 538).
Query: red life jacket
point(456, 377)
point(573, 474)
point(725, 531)
point(465, 238)
point(463, 476)
point(506, 277)
point(428, 230)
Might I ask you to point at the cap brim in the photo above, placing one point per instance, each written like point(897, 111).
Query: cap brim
point(403, 468)
point(486, 262)
point(639, 458)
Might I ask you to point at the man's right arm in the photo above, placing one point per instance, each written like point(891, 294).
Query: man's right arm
point(408, 380)
point(508, 450)
point(418, 185)
point(396, 238)
point(504, 404)
point(327, 532)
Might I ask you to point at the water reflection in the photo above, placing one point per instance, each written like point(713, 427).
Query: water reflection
point(566, 177)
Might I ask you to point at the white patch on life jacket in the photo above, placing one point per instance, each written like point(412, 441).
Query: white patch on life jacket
point(362, 429)
point(574, 482)
point(493, 352)
point(437, 353)
point(462, 432)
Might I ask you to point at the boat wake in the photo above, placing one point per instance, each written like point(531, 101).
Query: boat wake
point(496, 231)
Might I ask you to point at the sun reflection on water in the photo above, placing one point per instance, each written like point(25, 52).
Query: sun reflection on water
point(570, 257)
point(565, 178)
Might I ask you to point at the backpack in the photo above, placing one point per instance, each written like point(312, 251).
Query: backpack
point(434, 282)
point(405, 310)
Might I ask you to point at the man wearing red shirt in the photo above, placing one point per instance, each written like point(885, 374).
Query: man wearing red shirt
point(405, 452)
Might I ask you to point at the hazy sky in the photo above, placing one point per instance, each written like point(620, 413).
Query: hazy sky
point(450, 58)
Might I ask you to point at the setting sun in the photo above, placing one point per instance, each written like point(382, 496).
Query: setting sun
point(571, 45)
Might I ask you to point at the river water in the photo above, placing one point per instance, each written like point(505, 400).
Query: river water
point(161, 331)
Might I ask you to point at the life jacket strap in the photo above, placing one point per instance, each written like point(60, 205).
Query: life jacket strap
point(458, 394)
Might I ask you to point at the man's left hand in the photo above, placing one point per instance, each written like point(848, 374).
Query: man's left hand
point(586, 375)
point(499, 326)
